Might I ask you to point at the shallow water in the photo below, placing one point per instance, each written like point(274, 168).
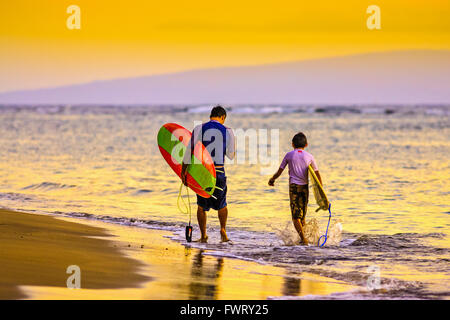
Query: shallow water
point(386, 174)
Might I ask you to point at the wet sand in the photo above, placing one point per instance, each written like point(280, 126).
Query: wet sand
point(123, 262)
point(36, 250)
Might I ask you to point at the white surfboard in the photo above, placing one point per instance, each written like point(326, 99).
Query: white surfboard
point(319, 193)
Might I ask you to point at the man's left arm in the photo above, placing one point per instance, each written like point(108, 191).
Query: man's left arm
point(231, 144)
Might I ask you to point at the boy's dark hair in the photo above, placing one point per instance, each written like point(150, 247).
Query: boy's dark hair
point(299, 140)
point(218, 111)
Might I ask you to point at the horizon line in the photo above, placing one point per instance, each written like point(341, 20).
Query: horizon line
point(222, 67)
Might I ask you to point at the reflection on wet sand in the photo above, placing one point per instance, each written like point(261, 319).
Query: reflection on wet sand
point(205, 278)
point(291, 286)
point(179, 272)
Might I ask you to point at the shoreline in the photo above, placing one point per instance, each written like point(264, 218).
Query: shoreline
point(125, 262)
point(37, 250)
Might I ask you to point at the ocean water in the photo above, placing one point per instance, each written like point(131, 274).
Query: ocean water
point(386, 171)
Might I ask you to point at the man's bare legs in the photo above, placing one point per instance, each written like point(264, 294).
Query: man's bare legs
point(201, 218)
point(223, 214)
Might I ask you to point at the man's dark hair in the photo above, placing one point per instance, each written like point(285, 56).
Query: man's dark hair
point(218, 111)
point(299, 140)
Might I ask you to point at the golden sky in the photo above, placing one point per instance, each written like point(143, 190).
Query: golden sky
point(135, 38)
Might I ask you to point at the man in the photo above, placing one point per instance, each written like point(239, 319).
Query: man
point(219, 141)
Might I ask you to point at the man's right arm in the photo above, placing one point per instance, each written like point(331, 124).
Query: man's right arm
point(184, 167)
point(187, 159)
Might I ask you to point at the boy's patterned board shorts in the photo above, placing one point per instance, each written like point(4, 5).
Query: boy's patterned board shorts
point(298, 195)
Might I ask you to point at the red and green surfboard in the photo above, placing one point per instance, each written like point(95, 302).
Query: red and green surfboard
point(201, 175)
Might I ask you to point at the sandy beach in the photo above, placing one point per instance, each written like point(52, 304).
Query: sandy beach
point(37, 250)
point(122, 262)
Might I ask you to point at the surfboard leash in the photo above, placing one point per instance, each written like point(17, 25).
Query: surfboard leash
point(326, 232)
point(188, 211)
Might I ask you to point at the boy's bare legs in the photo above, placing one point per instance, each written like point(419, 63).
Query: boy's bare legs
point(201, 218)
point(223, 214)
point(298, 226)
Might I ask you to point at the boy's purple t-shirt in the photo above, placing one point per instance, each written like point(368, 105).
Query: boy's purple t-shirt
point(298, 161)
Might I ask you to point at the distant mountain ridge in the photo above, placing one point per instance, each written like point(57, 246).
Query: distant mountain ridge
point(397, 77)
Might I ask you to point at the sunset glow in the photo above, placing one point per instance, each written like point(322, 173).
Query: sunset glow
point(133, 38)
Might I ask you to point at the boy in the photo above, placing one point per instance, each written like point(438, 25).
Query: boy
point(298, 161)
